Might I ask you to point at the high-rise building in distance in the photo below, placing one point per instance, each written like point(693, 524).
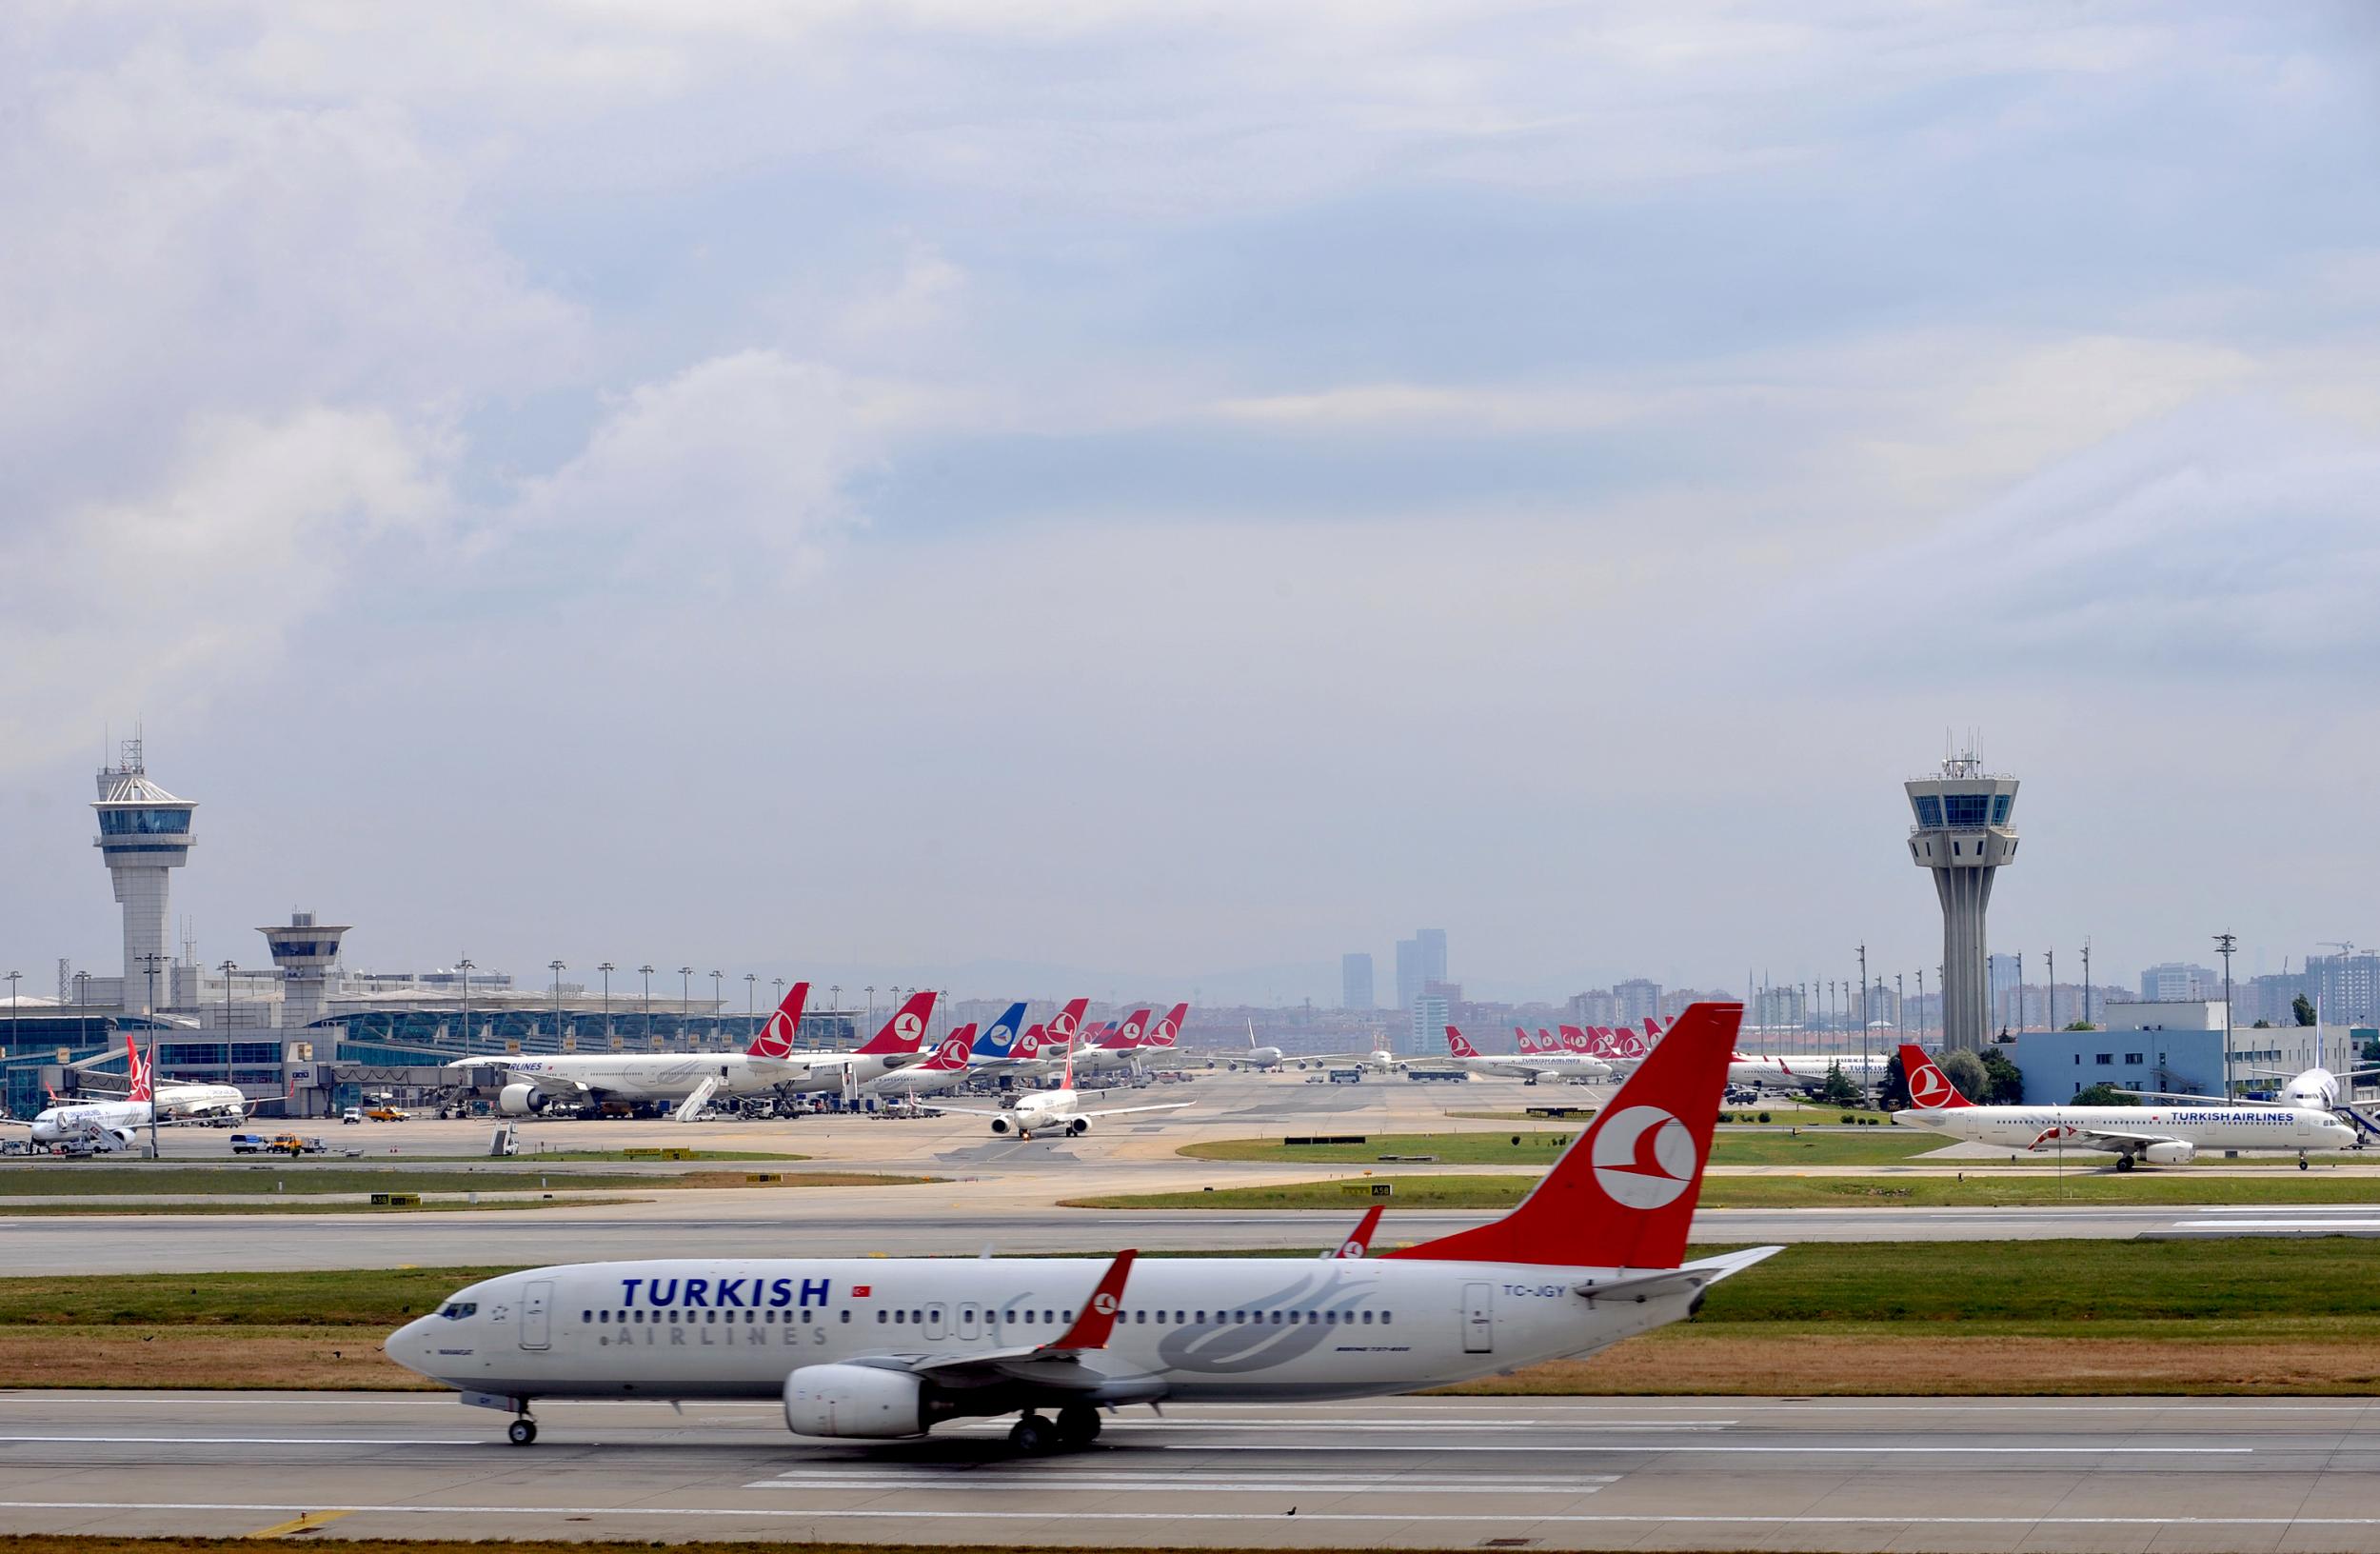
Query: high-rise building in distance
point(1421, 960)
point(2178, 982)
point(1639, 998)
point(1355, 982)
point(1427, 1031)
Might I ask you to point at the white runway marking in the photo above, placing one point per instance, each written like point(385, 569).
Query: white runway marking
point(240, 1441)
point(1078, 1514)
point(969, 1483)
point(2276, 1224)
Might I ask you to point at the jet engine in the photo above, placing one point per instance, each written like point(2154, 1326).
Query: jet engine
point(855, 1401)
point(1077, 1126)
point(522, 1101)
point(2172, 1152)
point(1001, 1124)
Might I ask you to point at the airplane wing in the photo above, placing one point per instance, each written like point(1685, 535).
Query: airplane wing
point(2111, 1140)
point(970, 1112)
point(1121, 1111)
point(1055, 1367)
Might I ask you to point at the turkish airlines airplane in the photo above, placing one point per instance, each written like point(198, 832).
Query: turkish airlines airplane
point(882, 1348)
point(1805, 1072)
point(2161, 1134)
point(115, 1123)
point(942, 1071)
point(1528, 1066)
point(1117, 1048)
point(536, 1086)
point(1058, 1110)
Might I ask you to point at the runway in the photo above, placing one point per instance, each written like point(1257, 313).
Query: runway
point(857, 1222)
point(2114, 1473)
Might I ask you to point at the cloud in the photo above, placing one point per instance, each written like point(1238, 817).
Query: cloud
point(173, 596)
point(736, 464)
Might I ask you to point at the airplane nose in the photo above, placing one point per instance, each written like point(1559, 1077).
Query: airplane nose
point(409, 1345)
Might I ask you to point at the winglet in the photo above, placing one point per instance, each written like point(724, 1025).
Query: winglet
point(1098, 1319)
point(1360, 1242)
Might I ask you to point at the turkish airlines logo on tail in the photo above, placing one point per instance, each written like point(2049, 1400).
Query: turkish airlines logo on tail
point(1460, 1043)
point(909, 1029)
point(776, 1038)
point(953, 1055)
point(1103, 1304)
point(1576, 1040)
point(1929, 1086)
point(1645, 1157)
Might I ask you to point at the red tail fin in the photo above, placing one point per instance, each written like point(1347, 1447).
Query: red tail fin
point(1029, 1045)
point(953, 1052)
point(1929, 1089)
point(905, 1029)
point(776, 1039)
point(1652, 1029)
point(1065, 1024)
point(1576, 1040)
point(1460, 1045)
point(1622, 1195)
point(1528, 1043)
point(1127, 1035)
point(1169, 1027)
point(143, 1087)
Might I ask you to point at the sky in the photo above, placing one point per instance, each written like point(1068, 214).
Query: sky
point(1035, 493)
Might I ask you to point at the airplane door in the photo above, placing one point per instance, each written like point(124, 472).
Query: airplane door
point(937, 1320)
point(970, 1321)
point(1479, 1318)
point(537, 1313)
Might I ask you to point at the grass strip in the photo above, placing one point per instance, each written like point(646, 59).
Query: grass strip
point(1414, 1190)
point(1867, 1146)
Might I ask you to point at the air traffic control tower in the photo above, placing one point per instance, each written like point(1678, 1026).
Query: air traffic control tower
point(1963, 836)
point(144, 831)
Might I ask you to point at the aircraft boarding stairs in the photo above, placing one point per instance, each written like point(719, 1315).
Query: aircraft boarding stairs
point(692, 1106)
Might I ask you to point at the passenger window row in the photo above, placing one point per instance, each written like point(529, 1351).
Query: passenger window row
point(675, 1318)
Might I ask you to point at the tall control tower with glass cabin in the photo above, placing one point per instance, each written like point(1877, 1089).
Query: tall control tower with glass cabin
point(144, 831)
point(1963, 835)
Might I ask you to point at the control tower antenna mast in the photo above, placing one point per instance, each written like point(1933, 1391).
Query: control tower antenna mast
point(1963, 836)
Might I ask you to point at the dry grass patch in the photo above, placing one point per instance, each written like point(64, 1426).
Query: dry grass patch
point(227, 1359)
point(1871, 1363)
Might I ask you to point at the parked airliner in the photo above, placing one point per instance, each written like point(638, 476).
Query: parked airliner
point(883, 1349)
point(568, 1080)
point(1528, 1066)
point(2161, 1133)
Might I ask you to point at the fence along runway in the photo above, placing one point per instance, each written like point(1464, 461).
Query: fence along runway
point(1834, 1474)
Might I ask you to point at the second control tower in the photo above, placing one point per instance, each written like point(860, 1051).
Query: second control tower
point(1963, 835)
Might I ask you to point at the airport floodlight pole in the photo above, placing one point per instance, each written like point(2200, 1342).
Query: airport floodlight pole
point(2087, 980)
point(556, 967)
point(227, 969)
point(2020, 991)
point(717, 999)
point(2224, 944)
point(464, 966)
point(685, 991)
point(1900, 1008)
point(752, 995)
point(607, 968)
point(870, 991)
point(647, 971)
point(2050, 957)
point(15, 1036)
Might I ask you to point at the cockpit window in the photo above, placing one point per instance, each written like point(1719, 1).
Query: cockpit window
point(457, 1311)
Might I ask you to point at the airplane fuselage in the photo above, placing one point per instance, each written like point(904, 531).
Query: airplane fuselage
point(2261, 1128)
point(675, 1076)
point(1221, 1329)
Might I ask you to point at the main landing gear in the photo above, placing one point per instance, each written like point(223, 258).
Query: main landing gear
point(522, 1431)
point(2302, 1163)
point(1076, 1425)
point(2125, 1162)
